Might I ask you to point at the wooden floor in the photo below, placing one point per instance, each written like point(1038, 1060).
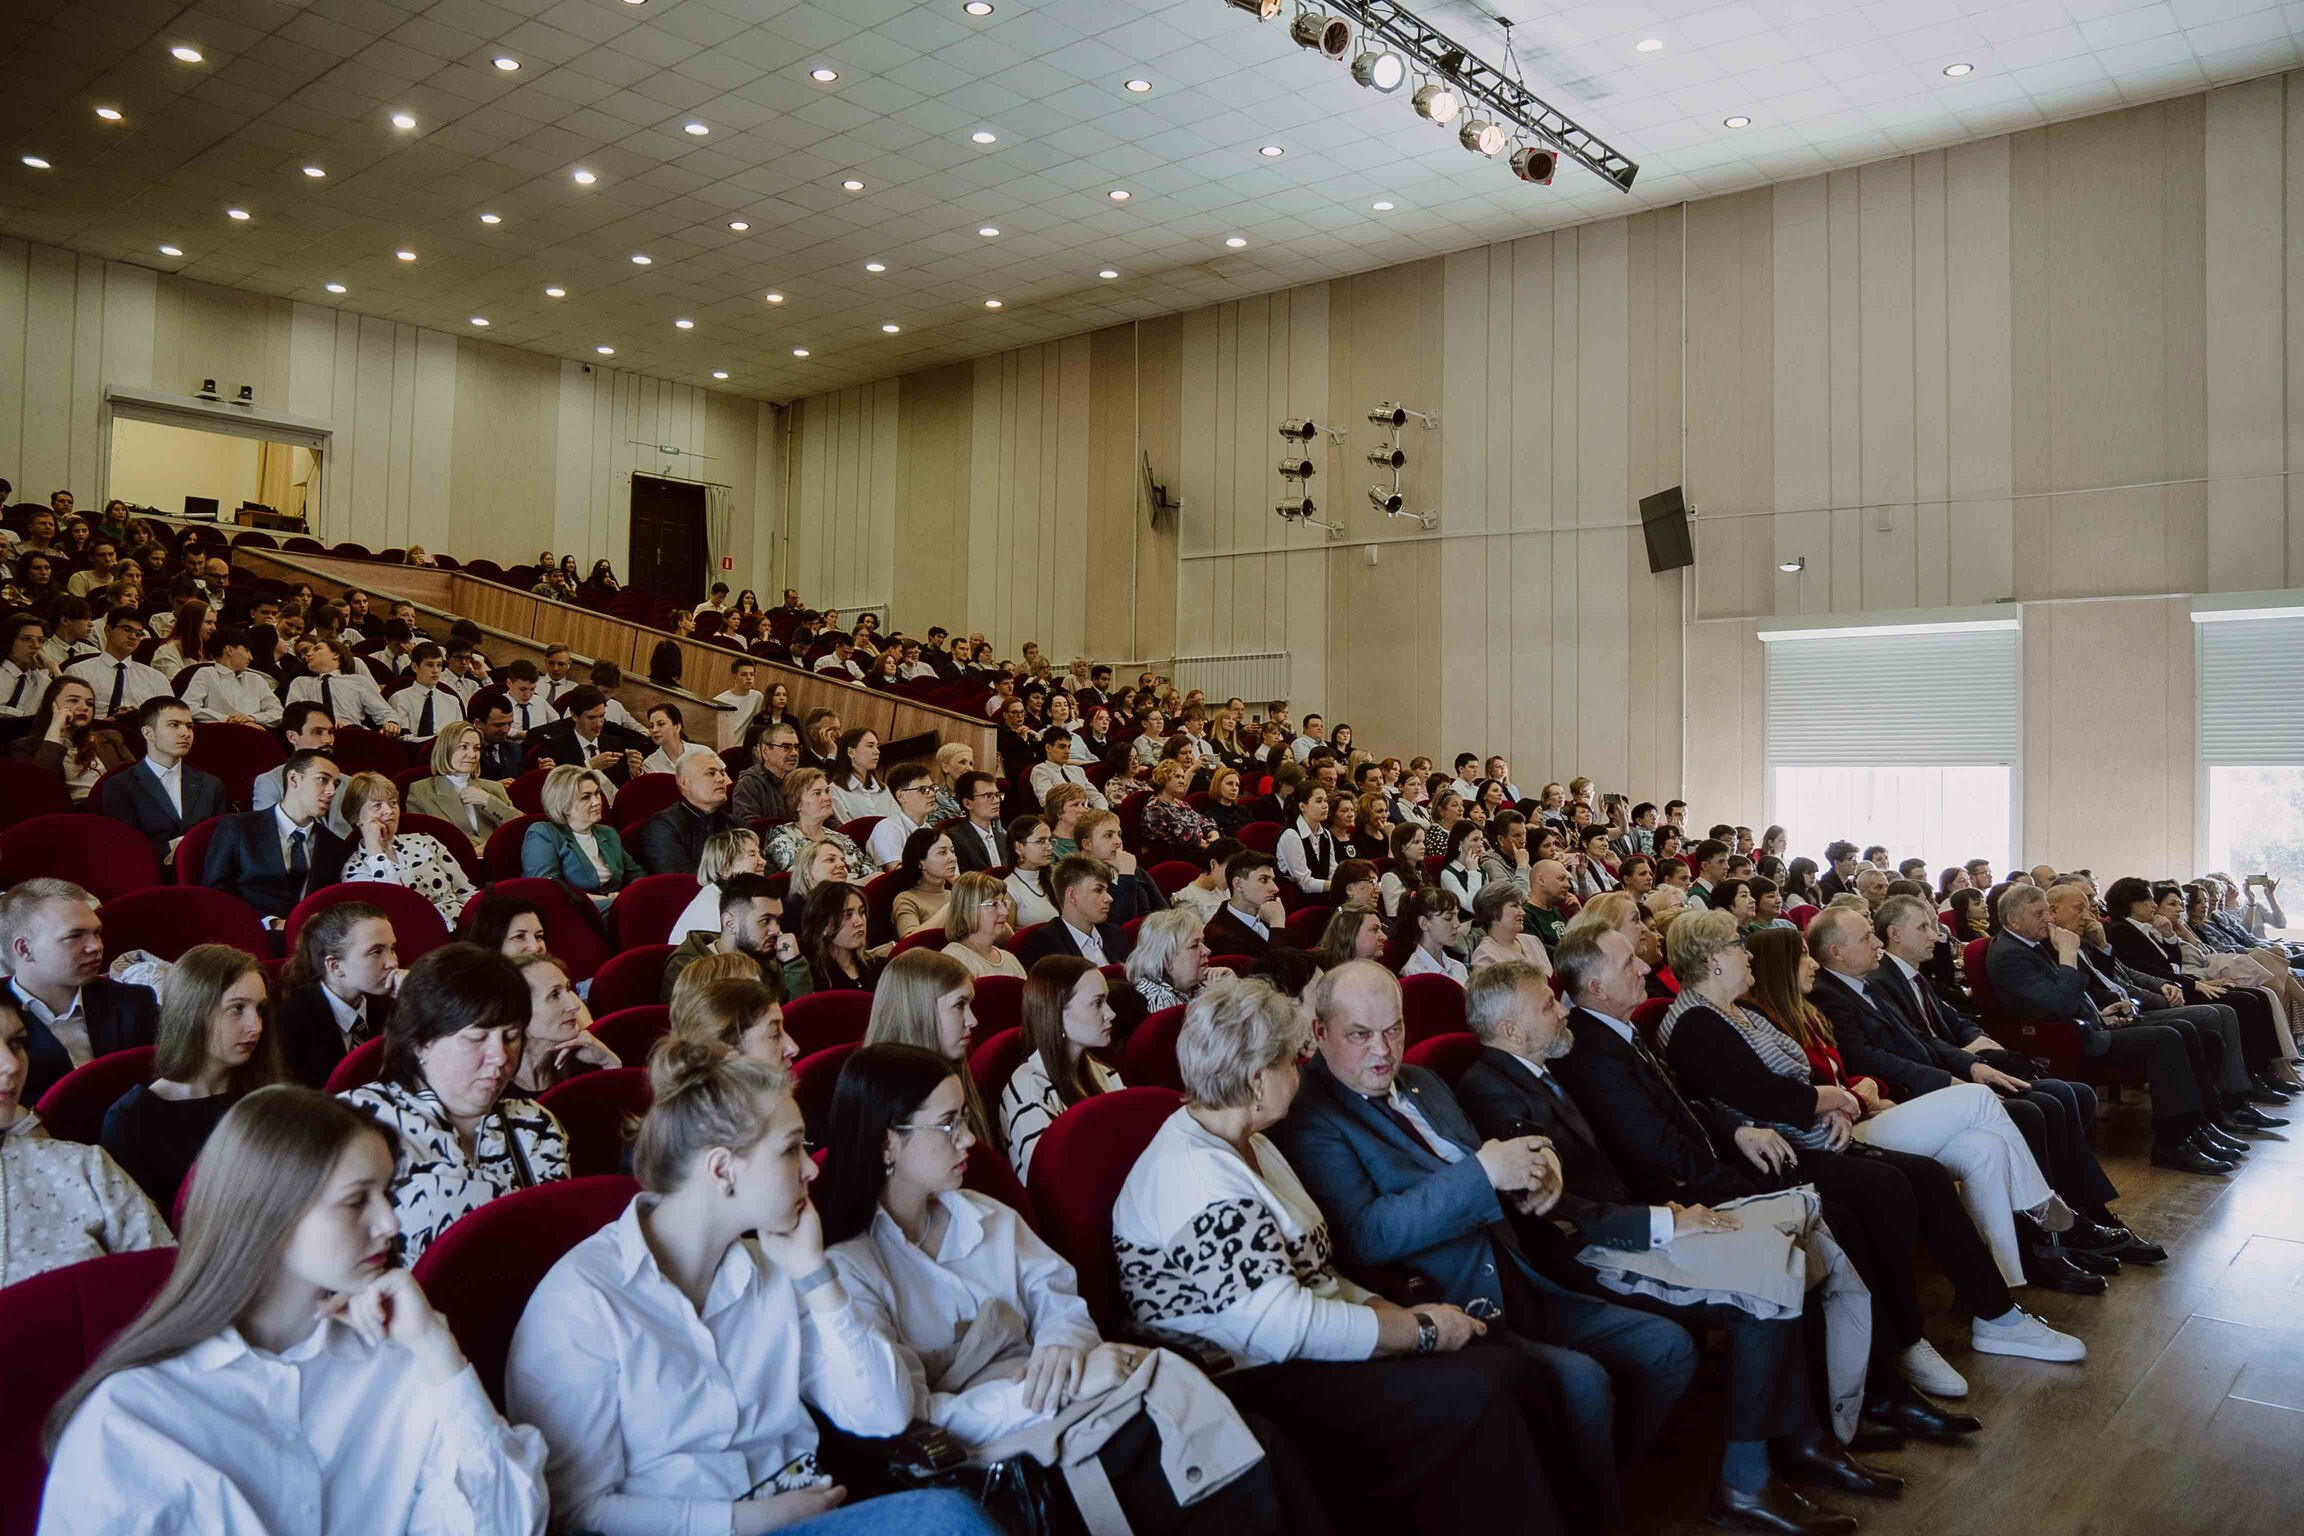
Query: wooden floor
point(2188, 1416)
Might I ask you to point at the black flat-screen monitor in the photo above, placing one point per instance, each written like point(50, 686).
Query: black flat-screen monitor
point(1664, 524)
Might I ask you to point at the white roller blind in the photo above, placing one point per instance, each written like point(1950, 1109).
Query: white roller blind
point(1916, 696)
point(2252, 692)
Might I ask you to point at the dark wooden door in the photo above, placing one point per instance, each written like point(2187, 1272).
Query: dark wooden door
point(667, 556)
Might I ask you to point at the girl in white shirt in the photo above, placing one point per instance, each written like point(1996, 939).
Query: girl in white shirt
point(286, 1378)
point(671, 1358)
point(1430, 922)
point(1067, 1014)
point(669, 732)
point(857, 788)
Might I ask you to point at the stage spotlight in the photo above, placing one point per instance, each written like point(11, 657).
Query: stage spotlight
point(1482, 136)
point(1329, 35)
point(1387, 458)
point(1385, 500)
point(1379, 71)
point(1262, 10)
point(1297, 469)
point(1530, 163)
point(1298, 507)
point(1389, 415)
point(1437, 102)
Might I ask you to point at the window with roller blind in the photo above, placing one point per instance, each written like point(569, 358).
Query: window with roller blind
point(2251, 652)
point(1903, 733)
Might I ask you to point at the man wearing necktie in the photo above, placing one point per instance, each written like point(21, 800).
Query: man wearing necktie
point(529, 709)
point(22, 675)
point(273, 859)
point(116, 677)
point(425, 704)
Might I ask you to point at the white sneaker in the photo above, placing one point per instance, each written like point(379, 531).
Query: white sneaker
point(2020, 1333)
point(1930, 1371)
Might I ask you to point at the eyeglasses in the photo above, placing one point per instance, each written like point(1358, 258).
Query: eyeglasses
point(949, 1127)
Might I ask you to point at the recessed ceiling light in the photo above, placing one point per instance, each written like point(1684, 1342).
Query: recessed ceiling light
point(1649, 45)
point(985, 136)
point(1119, 194)
point(991, 303)
point(1235, 242)
point(605, 351)
point(555, 293)
point(315, 172)
point(336, 288)
point(186, 55)
point(719, 373)
point(582, 178)
point(694, 130)
point(1738, 121)
point(684, 323)
point(851, 185)
point(491, 218)
point(639, 260)
point(773, 298)
point(1957, 70)
point(823, 75)
point(109, 114)
point(1107, 273)
point(799, 351)
point(402, 120)
point(1271, 151)
point(1138, 86)
point(39, 164)
point(989, 231)
point(738, 225)
point(481, 321)
point(875, 266)
point(978, 7)
point(169, 250)
point(891, 327)
point(405, 255)
point(236, 215)
point(505, 62)
point(1382, 205)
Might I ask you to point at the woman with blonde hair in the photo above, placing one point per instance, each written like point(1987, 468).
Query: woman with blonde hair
point(700, 973)
point(456, 793)
point(952, 759)
point(416, 861)
point(823, 862)
point(574, 843)
point(733, 852)
point(1062, 809)
point(743, 1013)
point(925, 998)
point(977, 917)
point(1167, 819)
point(808, 794)
point(1169, 963)
point(287, 1367)
point(214, 1049)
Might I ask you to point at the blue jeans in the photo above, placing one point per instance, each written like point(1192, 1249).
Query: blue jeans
point(928, 1512)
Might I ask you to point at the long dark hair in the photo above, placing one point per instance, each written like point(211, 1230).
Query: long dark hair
point(79, 738)
point(820, 922)
point(880, 1087)
point(916, 850)
point(1047, 993)
point(1800, 882)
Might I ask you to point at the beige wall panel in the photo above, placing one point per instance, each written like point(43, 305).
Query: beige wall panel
point(1802, 313)
point(2247, 333)
point(51, 298)
point(1844, 236)
point(1530, 358)
point(934, 442)
point(1603, 364)
point(1462, 445)
point(1159, 407)
point(2293, 243)
point(502, 452)
point(2110, 735)
point(1727, 722)
point(15, 279)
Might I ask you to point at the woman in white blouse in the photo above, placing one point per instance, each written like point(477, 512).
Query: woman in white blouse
point(671, 1359)
point(734, 852)
point(1032, 844)
point(456, 793)
point(464, 1137)
point(287, 1377)
point(857, 788)
point(977, 919)
point(1217, 1239)
point(1067, 1013)
point(1499, 919)
point(416, 860)
point(1307, 853)
point(1460, 876)
point(1430, 923)
point(670, 733)
point(60, 1202)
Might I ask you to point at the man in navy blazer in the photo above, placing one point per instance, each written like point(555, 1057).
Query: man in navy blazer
point(274, 859)
point(53, 942)
point(1083, 923)
point(1409, 1187)
point(163, 796)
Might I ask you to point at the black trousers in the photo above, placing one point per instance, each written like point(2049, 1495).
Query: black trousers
point(1943, 1224)
point(1765, 1362)
point(1276, 1496)
point(2055, 1116)
point(2181, 1065)
point(2259, 1041)
point(1873, 1217)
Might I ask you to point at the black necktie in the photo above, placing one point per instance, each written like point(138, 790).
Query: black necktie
point(1568, 1110)
point(1393, 1113)
point(299, 866)
point(1920, 997)
point(1640, 1049)
point(424, 721)
point(119, 687)
point(326, 702)
point(17, 692)
point(524, 726)
point(358, 1033)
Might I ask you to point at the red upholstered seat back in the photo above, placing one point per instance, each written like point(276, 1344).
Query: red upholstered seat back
point(1432, 1005)
point(169, 919)
point(632, 978)
point(1078, 1168)
point(1447, 1055)
point(73, 1107)
point(594, 1109)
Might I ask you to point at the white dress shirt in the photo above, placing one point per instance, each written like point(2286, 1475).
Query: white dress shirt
point(69, 1027)
point(1046, 776)
point(1421, 963)
point(352, 697)
point(746, 706)
point(171, 780)
point(334, 1434)
point(538, 711)
point(61, 653)
point(549, 688)
point(661, 1415)
point(21, 689)
point(992, 1282)
point(217, 693)
point(886, 844)
point(1294, 856)
point(1085, 940)
point(408, 705)
point(657, 762)
point(135, 682)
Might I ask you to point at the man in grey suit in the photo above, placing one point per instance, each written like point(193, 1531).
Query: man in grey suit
point(164, 796)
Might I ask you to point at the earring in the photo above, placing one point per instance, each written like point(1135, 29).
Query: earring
point(727, 1187)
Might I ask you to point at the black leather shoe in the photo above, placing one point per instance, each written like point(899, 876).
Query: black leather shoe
point(2187, 1157)
point(2266, 1083)
point(1825, 1460)
point(1776, 1508)
point(1915, 1416)
point(2138, 1251)
point(2095, 1237)
point(2053, 1268)
point(2094, 1263)
point(2222, 1139)
point(2254, 1119)
point(1873, 1435)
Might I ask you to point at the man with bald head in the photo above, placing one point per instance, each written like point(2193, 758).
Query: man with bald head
point(1549, 886)
point(1412, 1192)
point(672, 840)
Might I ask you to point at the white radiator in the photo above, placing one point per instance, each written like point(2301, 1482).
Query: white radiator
point(1256, 677)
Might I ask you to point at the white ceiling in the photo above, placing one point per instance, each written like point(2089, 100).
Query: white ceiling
point(608, 86)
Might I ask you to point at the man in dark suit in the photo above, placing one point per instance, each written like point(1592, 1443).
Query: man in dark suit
point(672, 841)
point(274, 859)
point(1249, 922)
point(500, 750)
point(1840, 871)
point(163, 796)
point(1510, 1091)
point(2130, 904)
point(53, 943)
point(1083, 924)
point(2039, 968)
point(979, 842)
point(583, 735)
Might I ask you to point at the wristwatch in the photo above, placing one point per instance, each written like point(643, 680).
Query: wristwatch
point(1427, 1333)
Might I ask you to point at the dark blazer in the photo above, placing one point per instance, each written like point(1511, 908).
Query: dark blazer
point(136, 798)
point(119, 1015)
point(1392, 1202)
point(671, 842)
point(1135, 896)
point(1876, 1042)
point(1499, 1093)
point(1830, 886)
point(1661, 1142)
point(1940, 1021)
point(558, 742)
point(244, 858)
point(311, 1044)
point(503, 760)
point(2030, 984)
point(2143, 953)
point(968, 848)
point(1225, 934)
point(1053, 938)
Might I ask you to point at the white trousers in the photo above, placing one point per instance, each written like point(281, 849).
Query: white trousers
point(1964, 1128)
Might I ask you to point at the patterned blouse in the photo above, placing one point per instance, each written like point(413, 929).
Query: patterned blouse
point(1172, 821)
point(434, 1181)
point(420, 863)
point(61, 1202)
point(785, 843)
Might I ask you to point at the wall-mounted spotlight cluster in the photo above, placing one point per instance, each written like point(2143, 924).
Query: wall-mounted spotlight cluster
point(1390, 499)
point(1296, 504)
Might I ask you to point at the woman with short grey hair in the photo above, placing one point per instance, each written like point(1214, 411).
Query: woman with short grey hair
point(1169, 964)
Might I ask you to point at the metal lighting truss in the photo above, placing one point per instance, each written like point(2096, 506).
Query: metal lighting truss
point(1436, 53)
